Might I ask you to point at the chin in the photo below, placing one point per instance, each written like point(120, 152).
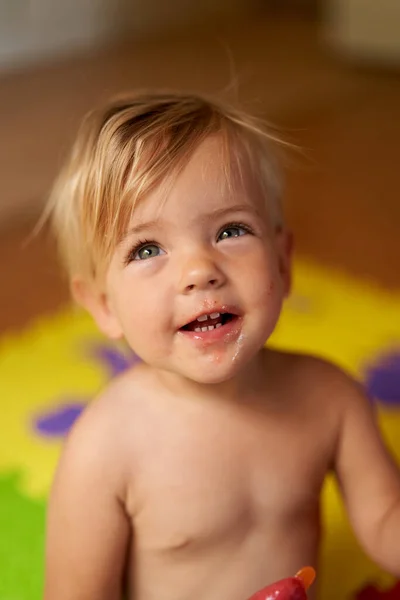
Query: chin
point(211, 372)
point(210, 378)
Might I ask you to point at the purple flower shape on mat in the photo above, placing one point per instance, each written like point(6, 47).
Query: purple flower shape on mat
point(382, 378)
point(58, 421)
point(115, 361)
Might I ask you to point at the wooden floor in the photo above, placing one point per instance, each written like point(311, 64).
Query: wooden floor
point(342, 197)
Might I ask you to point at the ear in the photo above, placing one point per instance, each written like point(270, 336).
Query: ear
point(95, 301)
point(284, 244)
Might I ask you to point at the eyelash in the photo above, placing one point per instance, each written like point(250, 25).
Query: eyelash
point(145, 242)
point(138, 246)
point(243, 226)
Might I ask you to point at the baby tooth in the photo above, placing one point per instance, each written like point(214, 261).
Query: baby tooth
point(215, 315)
point(202, 318)
point(197, 329)
point(204, 328)
point(210, 327)
point(218, 325)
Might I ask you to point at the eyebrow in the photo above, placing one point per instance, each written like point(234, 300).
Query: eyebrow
point(220, 212)
point(139, 229)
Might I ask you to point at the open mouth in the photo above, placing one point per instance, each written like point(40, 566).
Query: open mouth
point(209, 322)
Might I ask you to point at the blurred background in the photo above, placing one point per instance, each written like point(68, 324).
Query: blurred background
point(326, 71)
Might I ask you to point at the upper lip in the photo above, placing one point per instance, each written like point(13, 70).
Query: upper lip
point(216, 309)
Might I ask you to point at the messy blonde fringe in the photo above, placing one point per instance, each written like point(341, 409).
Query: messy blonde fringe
point(126, 149)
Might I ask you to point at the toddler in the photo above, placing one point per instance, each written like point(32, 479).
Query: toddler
point(197, 474)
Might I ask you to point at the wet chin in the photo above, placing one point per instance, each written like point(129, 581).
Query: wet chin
point(212, 369)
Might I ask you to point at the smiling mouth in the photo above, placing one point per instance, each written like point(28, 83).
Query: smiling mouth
point(209, 322)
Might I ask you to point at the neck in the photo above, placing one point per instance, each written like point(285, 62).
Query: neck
point(244, 384)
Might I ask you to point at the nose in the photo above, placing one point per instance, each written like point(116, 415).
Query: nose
point(199, 273)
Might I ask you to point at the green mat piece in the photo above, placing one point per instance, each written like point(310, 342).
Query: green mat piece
point(22, 528)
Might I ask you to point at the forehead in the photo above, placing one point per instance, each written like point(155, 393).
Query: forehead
point(217, 175)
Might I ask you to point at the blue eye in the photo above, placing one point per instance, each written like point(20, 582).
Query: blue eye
point(233, 231)
point(148, 251)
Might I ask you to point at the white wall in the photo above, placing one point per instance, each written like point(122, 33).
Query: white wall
point(31, 30)
point(367, 29)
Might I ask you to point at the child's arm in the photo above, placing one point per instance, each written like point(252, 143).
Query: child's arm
point(87, 526)
point(369, 479)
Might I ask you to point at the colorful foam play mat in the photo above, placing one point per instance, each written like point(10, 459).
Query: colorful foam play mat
point(49, 372)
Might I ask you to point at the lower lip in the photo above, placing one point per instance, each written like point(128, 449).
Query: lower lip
point(224, 333)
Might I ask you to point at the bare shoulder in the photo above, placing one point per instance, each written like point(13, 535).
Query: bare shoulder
point(314, 380)
point(99, 440)
point(107, 411)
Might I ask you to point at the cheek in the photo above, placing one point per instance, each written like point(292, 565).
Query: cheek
point(136, 306)
point(261, 280)
point(268, 298)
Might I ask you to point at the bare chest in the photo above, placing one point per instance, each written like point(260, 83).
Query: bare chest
point(198, 487)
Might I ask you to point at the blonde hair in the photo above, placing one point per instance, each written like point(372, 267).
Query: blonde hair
point(128, 147)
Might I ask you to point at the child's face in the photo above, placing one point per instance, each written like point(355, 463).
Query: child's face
point(197, 285)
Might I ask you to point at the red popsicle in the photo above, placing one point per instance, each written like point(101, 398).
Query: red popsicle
point(291, 588)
